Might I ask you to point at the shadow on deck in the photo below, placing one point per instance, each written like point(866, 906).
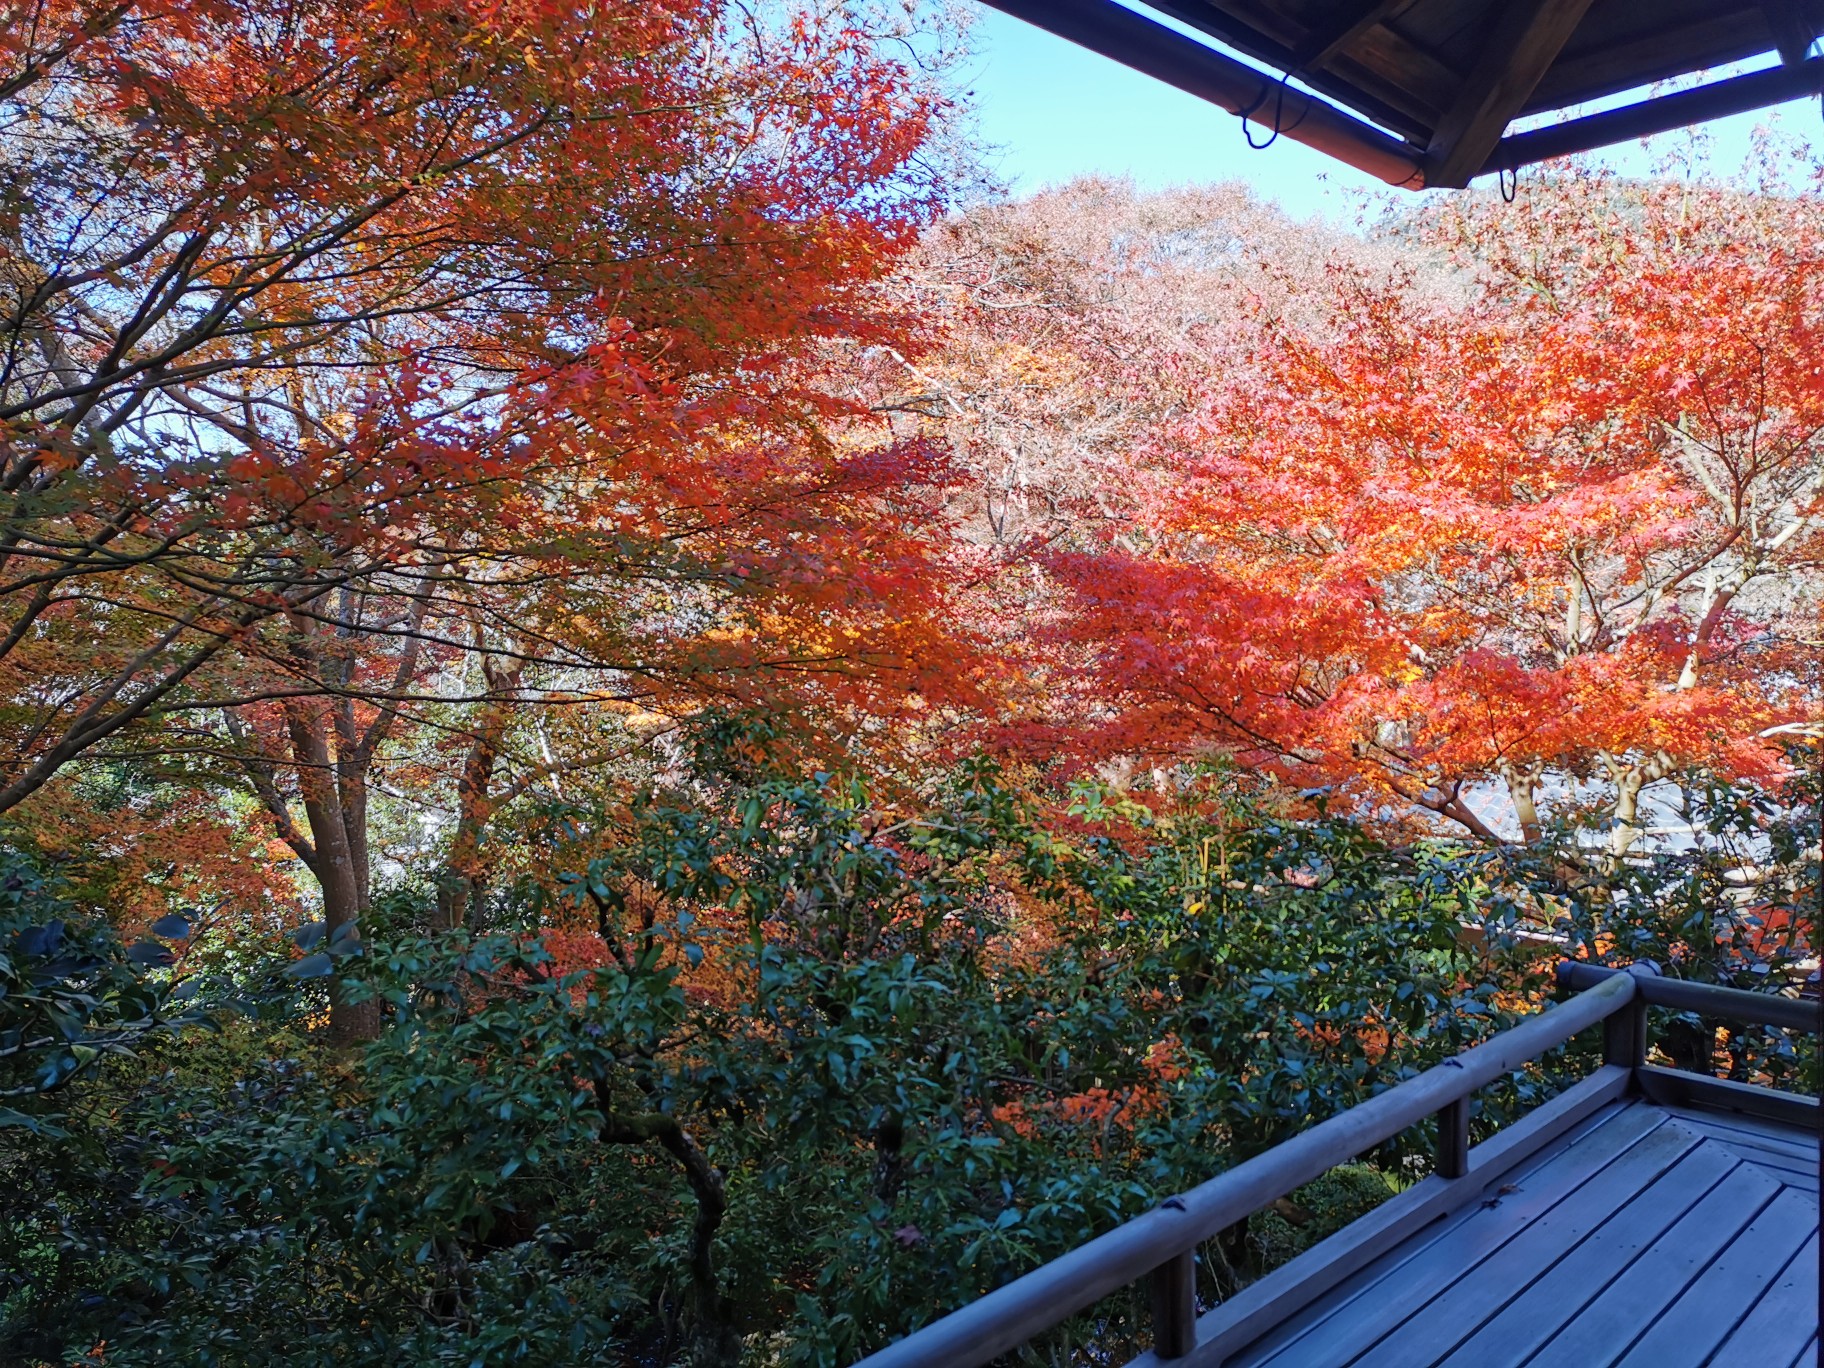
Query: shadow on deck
point(1644, 1217)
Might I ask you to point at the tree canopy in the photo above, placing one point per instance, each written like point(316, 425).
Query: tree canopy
point(636, 726)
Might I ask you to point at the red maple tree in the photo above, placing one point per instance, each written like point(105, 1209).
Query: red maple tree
point(377, 372)
point(1561, 528)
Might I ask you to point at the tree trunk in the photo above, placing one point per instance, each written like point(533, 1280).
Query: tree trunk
point(1522, 791)
point(338, 849)
point(1629, 780)
point(713, 1341)
point(462, 880)
point(1627, 812)
point(324, 746)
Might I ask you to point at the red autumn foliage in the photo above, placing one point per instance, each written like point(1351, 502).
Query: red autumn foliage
point(1553, 530)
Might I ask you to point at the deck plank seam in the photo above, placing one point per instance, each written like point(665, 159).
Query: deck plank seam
point(1592, 1233)
point(1698, 1274)
point(1472, 1212)
point(1773, 1286)
point(1775, 1156)
point(1421, 1241)
point(1736, 1123)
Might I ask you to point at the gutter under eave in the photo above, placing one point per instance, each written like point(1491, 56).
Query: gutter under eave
point(1167, 55)
point(1149, 47)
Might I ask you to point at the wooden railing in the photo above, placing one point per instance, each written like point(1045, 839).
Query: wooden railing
point(1707, 999)
point(1160, 1246)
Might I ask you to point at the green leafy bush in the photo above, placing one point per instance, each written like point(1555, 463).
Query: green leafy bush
point(820, 1070)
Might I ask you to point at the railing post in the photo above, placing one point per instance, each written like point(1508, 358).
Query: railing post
point(1624, 1034)
point(1174, 1297)
point(1453, 1139)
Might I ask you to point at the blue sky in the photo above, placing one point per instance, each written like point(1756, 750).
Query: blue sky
point(1053, 111)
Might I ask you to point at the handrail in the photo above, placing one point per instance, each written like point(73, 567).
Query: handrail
point(1160, 1242)
point(1735, 1004)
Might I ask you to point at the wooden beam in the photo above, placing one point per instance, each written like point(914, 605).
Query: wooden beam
point(1527, 38)
point(1717, 100)
point(1793, 33)
point(1321, 47)
point(1644, 58)
point(1708, 999)
point(1278, 50)
point(1167, 55)
point(1675, 1088)
point(1174, 1298)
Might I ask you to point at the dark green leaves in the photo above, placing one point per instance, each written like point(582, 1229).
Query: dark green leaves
point(71, 995)
point(151, 955)
point(172, 926)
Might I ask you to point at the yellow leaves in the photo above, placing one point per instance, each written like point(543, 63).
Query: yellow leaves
point(1023, 363)
point(640, 718)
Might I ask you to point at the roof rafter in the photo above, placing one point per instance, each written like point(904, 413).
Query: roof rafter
point(1138, 42)
point(1387, 86)
point(1327, 45)
point(1717, 100)
point(1792, 31)
point(1526, 39)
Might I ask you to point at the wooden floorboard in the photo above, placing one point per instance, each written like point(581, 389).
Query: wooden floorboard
point(1634, 1121)
point(1638, 1291)
point(1748, 1129)
point(1709, 1307)
point(1652, 1236)
point(1788, 1154)
point(1579, 1186)
point(1556, 1271)
point(1783, 1320)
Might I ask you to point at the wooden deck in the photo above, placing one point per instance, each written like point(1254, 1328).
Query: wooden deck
point(1643, 1216)
point(1647, 1235)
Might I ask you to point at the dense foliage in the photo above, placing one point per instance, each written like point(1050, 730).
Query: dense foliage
point(634, 731)
point(784, 1074)
point(813, 1062)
